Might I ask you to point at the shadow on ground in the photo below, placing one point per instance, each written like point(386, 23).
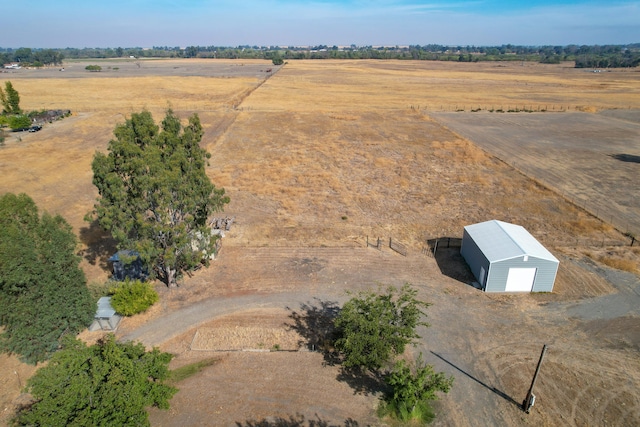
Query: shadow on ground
point(296, 421)
point(99, 245)
point(314, 323)
point(488, 387)
point(446, 251)
point(631, 158)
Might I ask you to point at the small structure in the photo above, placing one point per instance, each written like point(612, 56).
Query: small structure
point(127, 264)
point(106, 318)
point(506, 258)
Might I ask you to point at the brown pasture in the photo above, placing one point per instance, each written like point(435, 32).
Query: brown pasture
point(317, 157)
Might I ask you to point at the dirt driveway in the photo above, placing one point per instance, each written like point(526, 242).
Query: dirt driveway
point(489, 343)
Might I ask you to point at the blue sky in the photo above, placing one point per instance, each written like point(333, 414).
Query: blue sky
point(146, 23)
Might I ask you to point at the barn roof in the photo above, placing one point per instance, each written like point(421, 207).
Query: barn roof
point(500, 241)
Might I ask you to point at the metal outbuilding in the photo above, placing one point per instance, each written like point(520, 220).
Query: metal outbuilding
point(506, 258)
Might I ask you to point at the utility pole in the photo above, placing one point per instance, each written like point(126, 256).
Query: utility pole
point(530, 400)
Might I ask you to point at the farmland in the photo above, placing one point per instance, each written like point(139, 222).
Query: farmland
point(316, 156)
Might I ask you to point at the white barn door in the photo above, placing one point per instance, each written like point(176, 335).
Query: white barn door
point(520, 279)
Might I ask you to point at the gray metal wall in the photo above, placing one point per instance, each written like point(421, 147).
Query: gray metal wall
point(543, 281)
point(497, 273)
point(474, 257)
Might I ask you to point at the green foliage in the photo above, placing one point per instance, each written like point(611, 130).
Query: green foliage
point(277, 61)
point(106, 384)
point(412, 390)
point(93, 68)
point(373, 328)
point(184, 372)
point(155, 195)
point(19, 122)
point(10, 99)
point(99, 289)
point(133, 297)
point(43, 293)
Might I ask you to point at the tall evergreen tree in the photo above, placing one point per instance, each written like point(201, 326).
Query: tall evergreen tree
point(10, 99)
point(155, 196)
point(43, 292)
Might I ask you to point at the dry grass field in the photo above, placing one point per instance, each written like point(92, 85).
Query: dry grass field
point(317, 157)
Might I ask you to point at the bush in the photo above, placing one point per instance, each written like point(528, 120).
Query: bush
point(106, 384)
point(99, 289)
point(93, 68)
point(133, 297)
point(413, 388)
point(373, 328)
point(19, 122)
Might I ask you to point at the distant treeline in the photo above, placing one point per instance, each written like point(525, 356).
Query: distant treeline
point(606, 56)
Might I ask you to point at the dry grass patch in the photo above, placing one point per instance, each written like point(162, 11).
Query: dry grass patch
point(125, 95)
point(619, 258)
point(349, 87)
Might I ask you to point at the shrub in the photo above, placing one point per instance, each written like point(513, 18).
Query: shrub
point(93, 68)
point(373, 328)
point(413, 388)
point(133, 297)
point(99, 289)
point(19, 122)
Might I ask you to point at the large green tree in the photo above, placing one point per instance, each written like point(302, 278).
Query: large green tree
point(373, 328)
point(43, 292)
point(10, 99)
point(155, 196)
point(106, 384)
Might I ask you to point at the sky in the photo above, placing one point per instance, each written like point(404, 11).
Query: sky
point(147, 23)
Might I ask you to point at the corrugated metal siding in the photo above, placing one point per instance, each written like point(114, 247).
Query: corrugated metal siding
point(473, 256)
point(497, 272)
point(500, 240)
point(543, 282)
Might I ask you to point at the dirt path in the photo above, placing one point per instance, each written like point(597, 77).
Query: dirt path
point(489, 343)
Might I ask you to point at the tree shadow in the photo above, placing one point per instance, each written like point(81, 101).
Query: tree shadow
point(493, 389)
point(296, 421)
point(99, 245)
point(631, 158)
point(364, 382)
point(449, 259)
point(314, 323)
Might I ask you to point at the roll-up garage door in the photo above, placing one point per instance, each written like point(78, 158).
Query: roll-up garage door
point(520, 279)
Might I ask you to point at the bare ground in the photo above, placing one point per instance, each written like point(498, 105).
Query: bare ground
point(321, 156)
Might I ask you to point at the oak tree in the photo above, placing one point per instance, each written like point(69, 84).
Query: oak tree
point(373, 328)
point(106, 384)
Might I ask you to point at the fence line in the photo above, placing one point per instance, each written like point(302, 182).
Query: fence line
point(503, 108)
point(393, 244)
point(623, 224)
point(398, 247)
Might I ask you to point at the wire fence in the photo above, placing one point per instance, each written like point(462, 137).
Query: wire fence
point(394, 245)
